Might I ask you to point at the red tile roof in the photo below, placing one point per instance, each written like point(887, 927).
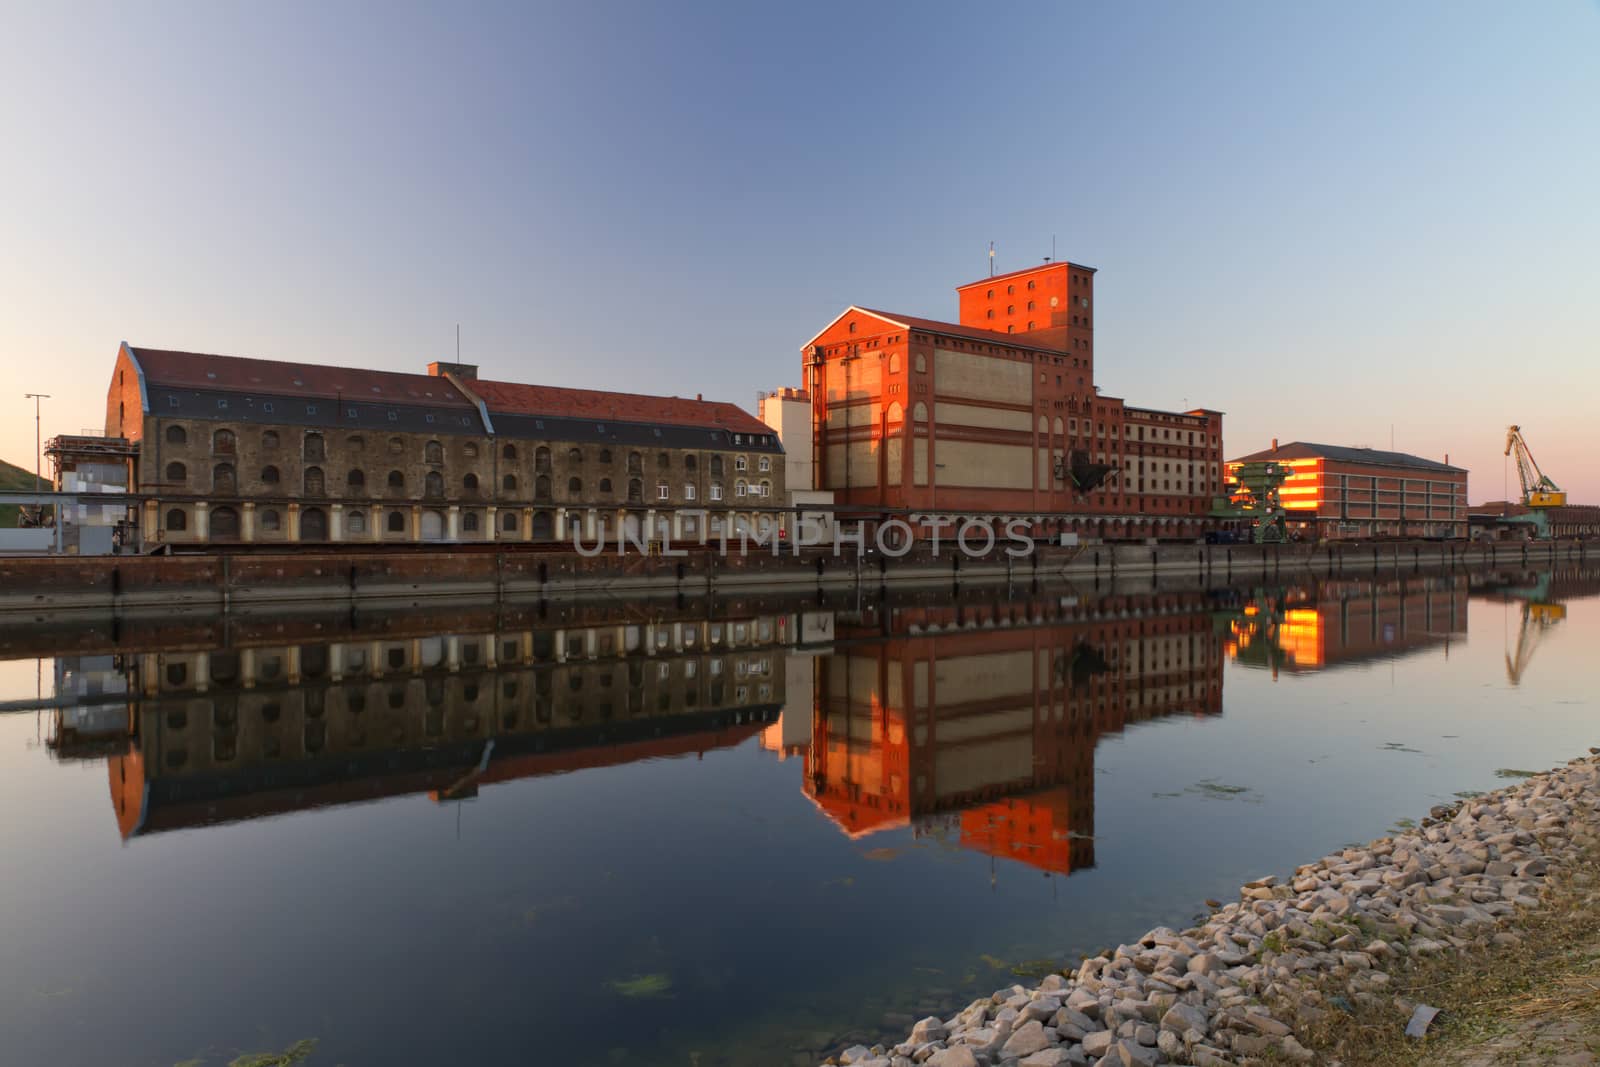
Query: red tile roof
point(951, 329)
point(557, 401)
point(194, 370)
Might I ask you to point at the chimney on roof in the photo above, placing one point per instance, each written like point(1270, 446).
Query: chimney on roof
point(439, 368)
point(1274, 444)
point(699, 396)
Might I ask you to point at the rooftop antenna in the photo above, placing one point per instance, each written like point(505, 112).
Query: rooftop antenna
point(991, 259)
point(458, 342)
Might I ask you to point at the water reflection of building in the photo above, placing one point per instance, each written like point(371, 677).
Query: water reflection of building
point(223, 735)
point(983, 721)
point(1332, 623)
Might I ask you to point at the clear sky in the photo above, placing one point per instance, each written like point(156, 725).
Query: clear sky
point(1325, 219)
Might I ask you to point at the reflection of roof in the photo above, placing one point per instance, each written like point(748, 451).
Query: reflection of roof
point(179, 801)
point(1345, 454)
point(560, 401)
point(195, 370)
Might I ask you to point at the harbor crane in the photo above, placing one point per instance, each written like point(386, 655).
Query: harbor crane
point(1538, 491)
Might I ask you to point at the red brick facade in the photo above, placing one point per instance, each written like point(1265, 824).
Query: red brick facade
point(999, 415)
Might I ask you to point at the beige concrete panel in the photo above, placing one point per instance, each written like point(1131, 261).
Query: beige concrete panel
point(990, 466)
point(977, 377)
point(919, 683)
point(919, 461)
point(866, 379)
point(863, 467)
point(977, 727)
point(971, 767)
point(987, 677)
point(894, 448)
point(946, 414)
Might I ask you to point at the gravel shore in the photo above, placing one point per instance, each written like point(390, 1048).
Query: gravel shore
point(1326, 939)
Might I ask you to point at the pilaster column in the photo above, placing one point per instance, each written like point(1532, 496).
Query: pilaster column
point(202, 521)
point(416, 522)
point(292, 529)
point(247, 523)
point(452, 530)
point(561, 524)
point(336, 522)
point(494, 522)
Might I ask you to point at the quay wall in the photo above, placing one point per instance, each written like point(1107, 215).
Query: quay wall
point(225, 580)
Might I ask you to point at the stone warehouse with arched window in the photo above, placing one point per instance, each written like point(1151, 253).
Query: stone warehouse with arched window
point(235, 450)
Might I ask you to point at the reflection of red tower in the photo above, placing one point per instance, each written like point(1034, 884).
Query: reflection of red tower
point(994, 711)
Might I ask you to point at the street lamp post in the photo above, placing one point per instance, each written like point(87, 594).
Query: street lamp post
point(38, 450)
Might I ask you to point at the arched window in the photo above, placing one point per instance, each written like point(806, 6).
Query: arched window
point(356, 479)
point(269, 475)
point(921, 363)
point(894, 363)
point(689, 462)
point(470, 450)
point(397, 522)
point(269, 438)
point(741, 463)
point(177, 435)
point(223, 442)
point(355, 522)
point(314, 481)
point(574, 455)
point(433, 485)
point(316, 449)
point(716, 466)
point(508, 452)
point(396, 446)
point(663, 491)
point(177, 519)
point(740, 488)
point(635, 491)
point(397, 482)
point(177, 472)
point(663, 461)
point(313, 525)
point(920, 412)
point(766, 489)
point(469, 482)
point(223, 480)
point(605, 455)
point(541, 459)
point(508, 522)
point(469, 522)
point(433, 452)
point(541, 488)
point(574, 486)
point(605, 486)
point(271, 520)
point(509, 483)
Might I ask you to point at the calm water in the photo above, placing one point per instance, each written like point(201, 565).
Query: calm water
point(737, 832)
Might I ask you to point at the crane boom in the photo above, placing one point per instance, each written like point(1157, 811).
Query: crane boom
point(1538, 491)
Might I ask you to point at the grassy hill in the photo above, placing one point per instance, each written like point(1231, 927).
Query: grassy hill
point(13, 478)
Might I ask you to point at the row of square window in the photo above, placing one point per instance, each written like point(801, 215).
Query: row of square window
point(226, 441)
point(267, 408)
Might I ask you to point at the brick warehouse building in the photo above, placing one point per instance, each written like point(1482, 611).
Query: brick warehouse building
point(238, 450)
point(1336, 491)
point(998, 415)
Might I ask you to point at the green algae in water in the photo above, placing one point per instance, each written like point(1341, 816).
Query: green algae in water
point(1509, 772)
point(1035, 968)
point(643, 985)
point(295, 1053)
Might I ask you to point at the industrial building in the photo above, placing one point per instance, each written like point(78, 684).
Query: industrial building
point(999, 415)
point(1334, 491)
point(233, 450)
